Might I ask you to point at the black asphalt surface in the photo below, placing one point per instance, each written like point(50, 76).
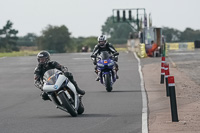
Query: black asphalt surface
point(23, 111)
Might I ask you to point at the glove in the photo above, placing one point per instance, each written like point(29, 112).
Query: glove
point(64, 69)
point(68, 74)
point(95, 62)
point(116, 58)
point(38, 85)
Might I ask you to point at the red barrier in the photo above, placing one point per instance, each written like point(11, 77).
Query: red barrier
point(162, 70)
point(171, 81)
point(166, 66)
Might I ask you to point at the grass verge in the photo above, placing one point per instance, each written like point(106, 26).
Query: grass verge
point(121, 49)
point(20, 53)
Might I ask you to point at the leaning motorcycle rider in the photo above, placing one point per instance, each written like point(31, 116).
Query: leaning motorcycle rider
point(103, 45)
point(44, 64)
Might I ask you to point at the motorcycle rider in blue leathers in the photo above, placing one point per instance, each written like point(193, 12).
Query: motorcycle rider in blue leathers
point(103, 45)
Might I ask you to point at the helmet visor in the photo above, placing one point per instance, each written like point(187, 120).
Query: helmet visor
point(101, 43)
point(42, 60)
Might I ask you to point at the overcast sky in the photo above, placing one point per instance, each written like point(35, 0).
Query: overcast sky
point(86, 17)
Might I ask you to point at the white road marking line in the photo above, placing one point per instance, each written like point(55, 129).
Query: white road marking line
point(144, 99)
point(82, 58)
point(183, 53)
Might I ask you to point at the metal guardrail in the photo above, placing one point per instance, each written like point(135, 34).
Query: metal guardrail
point(181, 46)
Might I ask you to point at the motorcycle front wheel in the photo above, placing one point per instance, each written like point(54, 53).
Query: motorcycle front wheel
point(66, 104)
point(108, 82)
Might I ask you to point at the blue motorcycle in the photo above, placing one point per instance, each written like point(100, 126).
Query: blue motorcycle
point(106, 69)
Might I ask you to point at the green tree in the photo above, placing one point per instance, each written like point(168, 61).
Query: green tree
point(8, 38)
point(118, 33)
point(90, 42)
point(174, 35)
point(27, 40)
point(55, 38)
point(80, 42)
point(76, 44)
point(171, 35)
point(190, 35)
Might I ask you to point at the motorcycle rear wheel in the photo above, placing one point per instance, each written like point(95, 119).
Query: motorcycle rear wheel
point(80, 108)
point(65, 102)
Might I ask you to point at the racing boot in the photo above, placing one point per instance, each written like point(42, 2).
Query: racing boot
point(79, 91)
point(97, 79)
point(82, 92)
point(71, 78)
point(117, 77)
point(96, 71)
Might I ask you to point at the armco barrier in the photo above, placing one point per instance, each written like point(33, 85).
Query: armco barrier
point(181, 46)
point(191, 46)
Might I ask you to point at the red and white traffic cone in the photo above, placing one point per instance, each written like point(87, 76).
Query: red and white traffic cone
point(166, 66)
point(172, 92)
point(162, 70)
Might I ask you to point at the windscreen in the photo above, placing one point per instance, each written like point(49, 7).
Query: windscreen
point(51, 76)
point(104, 55)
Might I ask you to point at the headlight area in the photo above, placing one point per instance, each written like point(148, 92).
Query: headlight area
point(111, 64)
point(100, 65)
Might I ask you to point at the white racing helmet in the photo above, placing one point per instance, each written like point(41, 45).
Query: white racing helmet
point(102, 41)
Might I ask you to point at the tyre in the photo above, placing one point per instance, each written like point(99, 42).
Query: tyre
point(66, 104)
point(80, 108)
point(108, 82)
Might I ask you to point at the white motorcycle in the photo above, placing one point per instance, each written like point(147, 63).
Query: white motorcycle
point(62, 92)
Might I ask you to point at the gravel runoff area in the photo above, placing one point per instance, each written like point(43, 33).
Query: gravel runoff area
point(187, 85)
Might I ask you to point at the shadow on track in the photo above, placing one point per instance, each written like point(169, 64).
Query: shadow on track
point(68, 116)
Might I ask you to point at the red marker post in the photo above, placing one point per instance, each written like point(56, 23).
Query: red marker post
point(162, 70)
point(166, 66)
point(172, 94)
